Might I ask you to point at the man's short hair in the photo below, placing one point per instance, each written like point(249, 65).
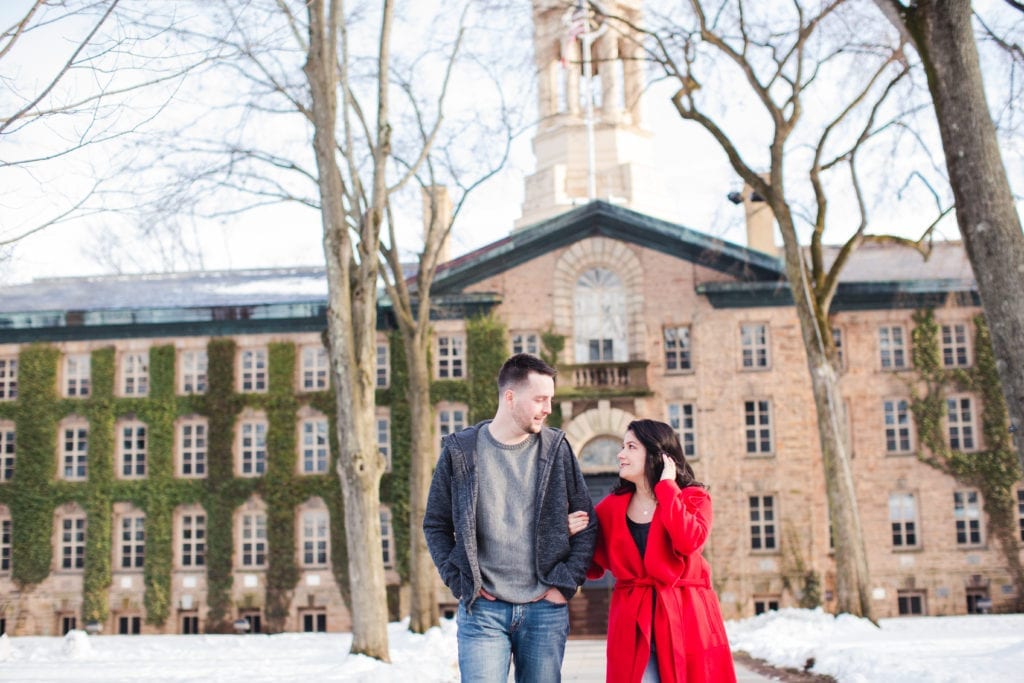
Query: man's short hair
point(517, 369)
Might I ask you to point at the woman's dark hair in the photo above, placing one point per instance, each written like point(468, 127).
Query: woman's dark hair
point(657, 438)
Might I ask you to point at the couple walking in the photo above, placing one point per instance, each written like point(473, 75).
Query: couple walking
point(511, 528)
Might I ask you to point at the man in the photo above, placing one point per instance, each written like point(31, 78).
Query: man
point(496, 528)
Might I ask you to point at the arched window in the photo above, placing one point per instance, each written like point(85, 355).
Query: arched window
point(599, 454)
point(600, 317)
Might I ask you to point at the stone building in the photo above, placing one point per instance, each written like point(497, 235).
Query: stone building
point(166, 441)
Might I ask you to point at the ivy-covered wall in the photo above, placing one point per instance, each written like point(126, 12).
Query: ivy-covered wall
point(993, 471)
point(37, 492)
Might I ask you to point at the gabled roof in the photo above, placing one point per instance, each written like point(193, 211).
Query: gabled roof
point(599, 218)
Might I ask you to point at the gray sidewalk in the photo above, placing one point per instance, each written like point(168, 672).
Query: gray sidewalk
point(584, 663)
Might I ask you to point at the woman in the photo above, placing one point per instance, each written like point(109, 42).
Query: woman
point(664, 623)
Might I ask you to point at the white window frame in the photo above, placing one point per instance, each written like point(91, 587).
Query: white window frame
point(451, 417)
point(135, 373)
point(955, 345)
point(898, 426)
point(382, 364)
point(132, 447)
point(192, 539)
point(314, 445)
point(74, 462)
point(678, 347)
point(8, 378)
point(903, 520)
point(450, 359)
point(131, 541)
point(892, 347)
point(8, 451)
point(967, 516)
point(383, 418)
point(194, 370)
point(77, 375)
point(682, 416)
point(253, 364)
point(315, 537)
point(252, 447)
point(315, 368)
point(192, 446)
point(764, 523)
point(525, 341)
point(962, 423)
point(73, 528)
point(252, 540)
point(755, 343)
point(6, 532)
point(387, 538)
point(757, 419)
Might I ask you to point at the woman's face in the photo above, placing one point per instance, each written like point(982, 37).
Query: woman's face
point(631, 459)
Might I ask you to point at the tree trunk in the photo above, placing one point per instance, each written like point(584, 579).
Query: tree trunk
point(424, 611)
point(852, 573)
point(351, 331)
point(985, 210)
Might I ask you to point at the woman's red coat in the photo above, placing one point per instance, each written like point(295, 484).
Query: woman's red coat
point(673, 580)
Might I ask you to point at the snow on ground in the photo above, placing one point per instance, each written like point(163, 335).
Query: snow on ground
point(908, 650)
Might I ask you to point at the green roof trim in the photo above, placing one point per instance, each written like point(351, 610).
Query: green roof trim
point(850, 296)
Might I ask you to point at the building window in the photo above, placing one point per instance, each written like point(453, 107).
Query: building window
point(7, 451)
point(135, 373)
point(252, 448)
point(677, 348)
point(384, 439)
point(892, 347)
point(383, 364)
point(960, 423)
point(599, 317)
point(192, 540)
point(387, 538)
point(967, 513)
point(762, 605)
point(754, 342)
point(762, 523)
point(903, 517)
point(254, 540)
point(526, 342)
point(254, 618)
point(132, 450)
point(190, 623)
point(837, 339)
point(451, 419)
point(194, 366)
point(192, 433)
point(315, 534)
point(758, 427)
point(314, 368)
point(911, 603)
point(954, 347)
point(129, 625)
point(75, 452)
point(6, 529)
point(77, 375)
point(316, 451)
point(897, 425)
point(451, 357)
point(72, 542)
point(132, 541)
point(253, 370)
point(314, 621)
point(1020, 513)
point(68, 623)
point(8, 378)
point(681, 417)
point(978, 601)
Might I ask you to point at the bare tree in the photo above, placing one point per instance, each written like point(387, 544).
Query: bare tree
point(92, 89)
point(796, 159)
point(942, 34)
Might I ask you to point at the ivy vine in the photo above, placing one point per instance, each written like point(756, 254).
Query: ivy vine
point(993, 471)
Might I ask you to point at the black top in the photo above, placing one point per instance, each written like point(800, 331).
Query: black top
point(639, 532)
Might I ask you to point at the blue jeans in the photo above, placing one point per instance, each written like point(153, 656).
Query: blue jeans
point(532, 635)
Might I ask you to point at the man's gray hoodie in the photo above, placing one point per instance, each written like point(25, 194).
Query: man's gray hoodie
point(450, 520)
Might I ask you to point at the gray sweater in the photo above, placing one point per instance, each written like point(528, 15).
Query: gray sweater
point(450, 520)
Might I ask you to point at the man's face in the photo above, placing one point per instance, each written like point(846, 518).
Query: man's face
point(531, 402)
